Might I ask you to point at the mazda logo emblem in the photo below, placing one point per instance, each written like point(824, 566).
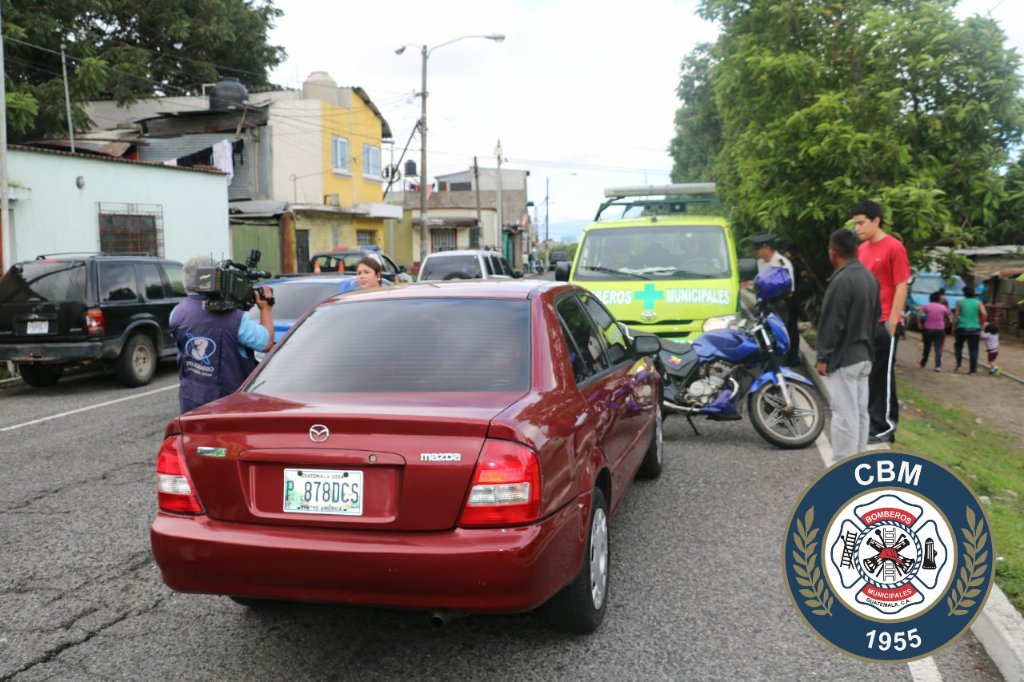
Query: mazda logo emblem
point(318, 433)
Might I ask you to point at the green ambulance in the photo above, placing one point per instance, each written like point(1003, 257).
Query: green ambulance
point(666, 265)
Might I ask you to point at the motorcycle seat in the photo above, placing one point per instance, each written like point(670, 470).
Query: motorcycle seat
point(677, 348)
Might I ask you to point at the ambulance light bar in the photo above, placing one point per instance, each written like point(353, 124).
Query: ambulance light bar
point(689, 188)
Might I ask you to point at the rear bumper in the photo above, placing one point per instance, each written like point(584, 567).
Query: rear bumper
point(75, 351)
point(477, 570)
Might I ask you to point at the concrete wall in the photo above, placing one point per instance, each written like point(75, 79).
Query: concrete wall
point(58, 216)
point(297, 150)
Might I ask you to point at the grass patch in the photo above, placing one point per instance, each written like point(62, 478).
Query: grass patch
point(988, 460)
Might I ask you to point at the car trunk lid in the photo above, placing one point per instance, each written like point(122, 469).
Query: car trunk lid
point(385, 461)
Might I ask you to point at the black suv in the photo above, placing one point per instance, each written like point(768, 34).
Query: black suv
point(556, 257)
point(66, 310)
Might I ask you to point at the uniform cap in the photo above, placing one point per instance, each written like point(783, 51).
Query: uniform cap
point(763, 239)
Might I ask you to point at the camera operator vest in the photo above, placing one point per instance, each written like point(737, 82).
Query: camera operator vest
point(209, 362)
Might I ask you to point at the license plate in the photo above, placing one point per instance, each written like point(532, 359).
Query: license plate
point(37, 327)
point(320, 491)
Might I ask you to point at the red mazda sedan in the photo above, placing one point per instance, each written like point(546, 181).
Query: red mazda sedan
point(454, 447)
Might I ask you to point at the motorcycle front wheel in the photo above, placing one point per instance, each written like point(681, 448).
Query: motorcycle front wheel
point(783, 429)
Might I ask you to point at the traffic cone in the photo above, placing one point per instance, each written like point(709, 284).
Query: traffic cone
point(316, 267)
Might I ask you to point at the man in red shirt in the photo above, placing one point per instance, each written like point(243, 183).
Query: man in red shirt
point(886, 258)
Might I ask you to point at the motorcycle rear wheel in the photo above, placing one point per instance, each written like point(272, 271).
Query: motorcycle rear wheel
point(767, 414)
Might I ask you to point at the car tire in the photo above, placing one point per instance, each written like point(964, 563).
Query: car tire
point(654, 459)
point(39, 375)
point(581, 605)
point(137, 363)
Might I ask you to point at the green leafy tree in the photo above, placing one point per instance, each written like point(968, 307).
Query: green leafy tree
point(126, 50)
point(809, 107)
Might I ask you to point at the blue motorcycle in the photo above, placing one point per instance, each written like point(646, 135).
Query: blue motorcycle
point(714, 374)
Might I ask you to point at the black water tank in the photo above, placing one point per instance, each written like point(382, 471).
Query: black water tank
point(228, 93)
point(410, 168)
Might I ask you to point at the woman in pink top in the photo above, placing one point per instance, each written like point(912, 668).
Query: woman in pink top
point(933, 316)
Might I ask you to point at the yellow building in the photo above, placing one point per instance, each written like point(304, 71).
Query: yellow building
point(327, 159)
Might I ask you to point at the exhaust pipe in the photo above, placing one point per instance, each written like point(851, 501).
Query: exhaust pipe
point(439, 619)
point(672, 407)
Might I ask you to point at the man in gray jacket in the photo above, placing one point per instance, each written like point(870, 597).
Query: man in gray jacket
point(845, 343)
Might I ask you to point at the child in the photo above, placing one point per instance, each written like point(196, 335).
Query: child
point(991, 337)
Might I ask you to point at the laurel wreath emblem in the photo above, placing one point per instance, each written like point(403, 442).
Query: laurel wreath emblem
point(972, 574)
point(808, 574)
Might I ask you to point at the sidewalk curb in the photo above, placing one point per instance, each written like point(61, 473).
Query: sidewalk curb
point(999, 627)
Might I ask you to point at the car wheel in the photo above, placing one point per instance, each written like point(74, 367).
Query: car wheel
point(39, 375)
point(654, 460)
point(137, 363)
point(580, 606)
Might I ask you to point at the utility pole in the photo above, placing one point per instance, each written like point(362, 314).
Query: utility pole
point(424, 230)
point(501, 216)
point(547, 208)
point(7, 244)
point(476, 186)
point(67, 98)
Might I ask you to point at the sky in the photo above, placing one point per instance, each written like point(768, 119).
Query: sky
point(580, 93)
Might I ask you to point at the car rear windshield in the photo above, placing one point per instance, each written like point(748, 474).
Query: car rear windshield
point(657, 253)
point(464, 266)
point(44, 281)
point(407, 345)
point(291, 301)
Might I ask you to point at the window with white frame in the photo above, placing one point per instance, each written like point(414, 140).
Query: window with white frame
point(371, 161)
point(339, 154)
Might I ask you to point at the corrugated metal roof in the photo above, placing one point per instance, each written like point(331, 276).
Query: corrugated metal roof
point(111, 159)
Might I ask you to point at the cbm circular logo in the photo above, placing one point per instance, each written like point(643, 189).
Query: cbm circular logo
point(888, 556)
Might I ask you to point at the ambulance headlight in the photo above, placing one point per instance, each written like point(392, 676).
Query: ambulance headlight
point(721, 322)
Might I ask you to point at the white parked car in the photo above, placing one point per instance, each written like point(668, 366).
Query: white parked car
point(466, 264)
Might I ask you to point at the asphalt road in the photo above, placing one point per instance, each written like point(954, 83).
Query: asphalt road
point(697, 591)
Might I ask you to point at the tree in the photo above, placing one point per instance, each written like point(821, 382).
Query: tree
point(819, 105)
point(126, 50)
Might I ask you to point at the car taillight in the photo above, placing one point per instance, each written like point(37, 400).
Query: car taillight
point(173, 485)
point(506, 487)
point(94, 322)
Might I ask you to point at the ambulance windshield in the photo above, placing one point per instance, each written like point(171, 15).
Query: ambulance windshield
point(665, 252)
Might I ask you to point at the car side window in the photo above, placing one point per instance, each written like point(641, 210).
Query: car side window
point(176, 277)
point(611, 333)
point(117, 282)
point(152, 282)
point(389, 266)
point(504, 264)
point(586, 352)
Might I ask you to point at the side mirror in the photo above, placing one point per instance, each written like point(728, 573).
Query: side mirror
point(562, 271)
point(646, 344)
point(748, 269)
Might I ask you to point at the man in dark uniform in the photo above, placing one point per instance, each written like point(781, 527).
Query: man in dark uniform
point(215, 349)
point(769, 257)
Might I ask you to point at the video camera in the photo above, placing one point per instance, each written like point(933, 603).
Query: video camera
point(229, 285)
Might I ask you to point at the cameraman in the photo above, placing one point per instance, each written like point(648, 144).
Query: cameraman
point(215, 349)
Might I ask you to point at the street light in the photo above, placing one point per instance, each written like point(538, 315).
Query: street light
point(425, 54)
point(547, 202)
